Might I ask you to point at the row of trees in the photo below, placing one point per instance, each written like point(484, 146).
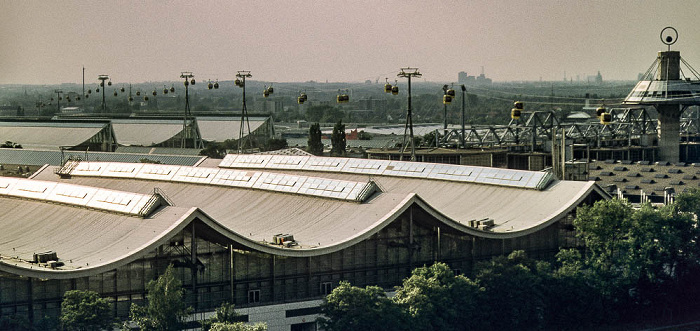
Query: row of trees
point(338, 140)
point(165, 310)
point(638, 266)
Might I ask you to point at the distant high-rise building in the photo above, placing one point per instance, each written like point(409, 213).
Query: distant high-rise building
point(599, 78)
point(462, 77)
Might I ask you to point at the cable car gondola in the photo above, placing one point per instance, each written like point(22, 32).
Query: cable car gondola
point(517, 110)
point(600, 111)
point(446, 99)
point(605, 118)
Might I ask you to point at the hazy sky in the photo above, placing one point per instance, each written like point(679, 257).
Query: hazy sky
point(47, 42)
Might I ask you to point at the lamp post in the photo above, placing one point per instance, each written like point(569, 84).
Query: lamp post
point(409, 73)
point(240, 82)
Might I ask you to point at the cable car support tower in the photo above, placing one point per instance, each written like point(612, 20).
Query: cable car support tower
point(409, 73)
point(240, 82)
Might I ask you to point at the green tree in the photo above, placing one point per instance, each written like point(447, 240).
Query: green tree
point(225, 314)
point(315, 144)
point(515, 291)
point(353, 308)
point(338, 142)
point(436, 299)
point(362, 135)
point(572, 300)
point(85, 310)
point(238, 326)
point(165, 309)
point(641, 259)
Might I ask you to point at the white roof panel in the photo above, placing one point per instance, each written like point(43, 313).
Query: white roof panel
point(157, 171)
point(33, 189)
point(450, 172)
point(7, 184)
point(195, 175)
point(121, 170)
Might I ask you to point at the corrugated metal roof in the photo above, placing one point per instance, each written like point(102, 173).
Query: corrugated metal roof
point(222, 128)
point(87, 241)
point(40, 136)
point(324, 222)
point(158, 150)
point(37, 157)
point(145, 132)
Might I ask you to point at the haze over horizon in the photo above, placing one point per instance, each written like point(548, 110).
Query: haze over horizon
point(352, 41)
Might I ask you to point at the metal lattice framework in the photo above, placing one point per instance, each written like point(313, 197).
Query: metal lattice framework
point(628, 124)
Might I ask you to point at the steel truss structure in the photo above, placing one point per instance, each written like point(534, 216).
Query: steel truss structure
point(628, 127)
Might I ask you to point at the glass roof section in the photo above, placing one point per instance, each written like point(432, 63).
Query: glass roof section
point(305, 185)
point(84, 196)
point(449, 172)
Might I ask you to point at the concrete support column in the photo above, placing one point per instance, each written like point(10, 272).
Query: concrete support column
point(669, 128)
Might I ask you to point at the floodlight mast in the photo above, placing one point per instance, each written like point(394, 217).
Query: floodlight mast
point(409, 72)
point(242, 75)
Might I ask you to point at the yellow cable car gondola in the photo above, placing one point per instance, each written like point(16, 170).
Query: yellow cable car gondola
point(388, 88)
point(395, 90)
point(216, 85)
point(605, 118)
point(450, 92)
point(600, 111)
point(446, 99)
point(210, 85)
point(517, 110)
point(172, 88)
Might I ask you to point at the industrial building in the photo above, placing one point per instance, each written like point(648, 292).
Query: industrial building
point(44, 135)
point(106, 135)
point(270, 233)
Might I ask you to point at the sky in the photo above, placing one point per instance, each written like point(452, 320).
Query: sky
point(49, 42)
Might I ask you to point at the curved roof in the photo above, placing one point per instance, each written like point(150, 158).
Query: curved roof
point(48, 135)
point(222, 128)
point(145, 132)
point(251, 217)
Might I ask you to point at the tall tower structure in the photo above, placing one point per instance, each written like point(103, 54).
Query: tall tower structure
point(666, 87)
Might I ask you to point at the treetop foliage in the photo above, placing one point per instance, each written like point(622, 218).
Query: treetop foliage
point(634, 264)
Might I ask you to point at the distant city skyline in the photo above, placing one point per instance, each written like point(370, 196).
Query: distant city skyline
point(350, 41)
